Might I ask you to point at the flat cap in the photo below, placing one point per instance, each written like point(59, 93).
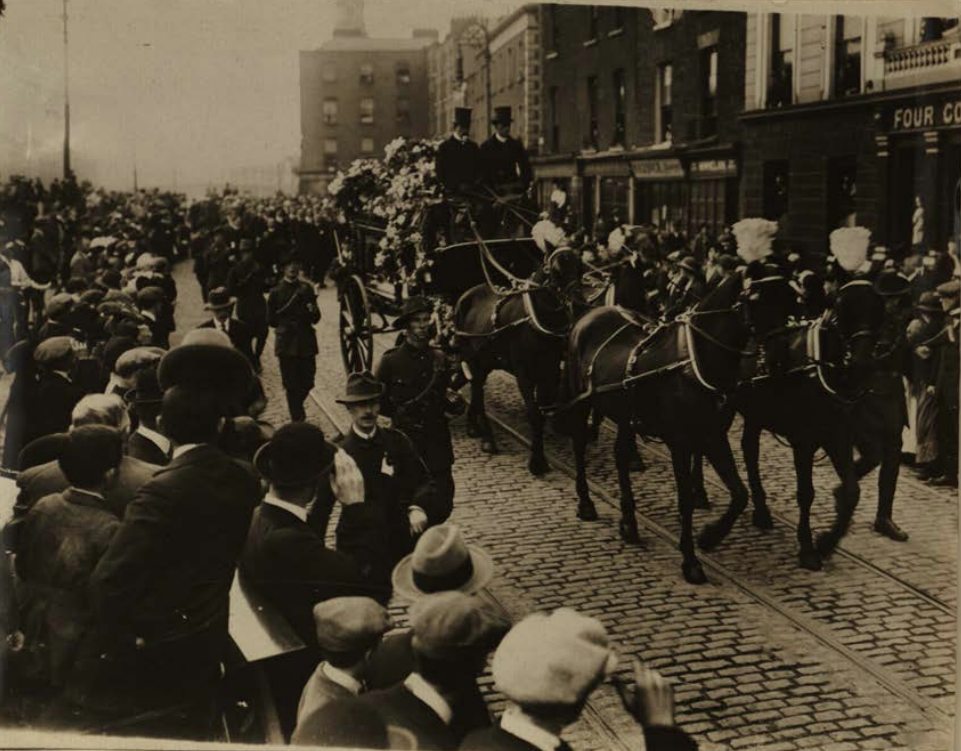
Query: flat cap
point(347, 624)
point(149, 296)
point(553, 659)
point(53, 350)
point(949, 289)
point(448, 624)
point(136, 359)
point(58, 305)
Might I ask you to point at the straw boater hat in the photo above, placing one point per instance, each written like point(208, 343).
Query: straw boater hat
point(755, 238)
point(849, 245)
point(442, 561)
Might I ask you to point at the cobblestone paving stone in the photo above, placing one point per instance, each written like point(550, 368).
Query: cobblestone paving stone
point(745, 676)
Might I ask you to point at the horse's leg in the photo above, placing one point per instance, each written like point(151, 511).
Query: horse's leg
point(681, 461)
point(579, 431)
point(840, 448)
point(718, 451)
point(622, 457)
point(538, 462)
point(698, 492)
point(751, 448)
point(595, 426)
point(488, 445)
point(803, 468)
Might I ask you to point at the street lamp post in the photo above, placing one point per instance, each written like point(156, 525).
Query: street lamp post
point(486, 51)
point(66, 98)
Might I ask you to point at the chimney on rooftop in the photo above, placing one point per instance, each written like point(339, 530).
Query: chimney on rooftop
point(350, 19)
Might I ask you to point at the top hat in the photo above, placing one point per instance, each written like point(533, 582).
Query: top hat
point(413, 306)
point(297, 454)
point(442, 561)
point(361, 387)
point(219, 299)
point(502, 115)
point(206, 360)
point(462, 116)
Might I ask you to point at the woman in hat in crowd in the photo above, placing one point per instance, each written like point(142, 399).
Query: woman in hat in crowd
point(922, 335)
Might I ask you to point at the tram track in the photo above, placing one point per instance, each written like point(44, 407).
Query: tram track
point(809, 625)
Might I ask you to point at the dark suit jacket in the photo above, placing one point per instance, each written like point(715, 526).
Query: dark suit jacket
point(506, 164)
point(399, 707)
point(142, 448)
point(495, 739)
point(288, 563)
point(56, 398)
point(167, 574)
point(292, 311)
point(458, 164)
point(240, 336)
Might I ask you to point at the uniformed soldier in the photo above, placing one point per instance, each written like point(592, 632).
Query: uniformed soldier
point(417, 397)
point(292, 312)
point(458, 160)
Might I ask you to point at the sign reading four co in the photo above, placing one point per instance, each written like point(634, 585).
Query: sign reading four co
point(930, 115)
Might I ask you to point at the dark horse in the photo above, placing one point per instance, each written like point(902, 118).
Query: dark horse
point(663, 382)
point(522, 332)
point(809, 399)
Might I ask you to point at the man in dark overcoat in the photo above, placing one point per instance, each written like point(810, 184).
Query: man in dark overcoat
point(417, 398)
point(57, 393)
point(507, 169)
point(292, 312)
point(247, 282)
point(458, 160)
point(221, 304)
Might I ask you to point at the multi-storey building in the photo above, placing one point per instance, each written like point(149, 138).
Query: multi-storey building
point(358, 93)
point(853, 120)
point(640, 119)
point(483, 65)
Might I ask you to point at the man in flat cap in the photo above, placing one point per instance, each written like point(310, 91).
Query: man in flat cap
point(221, 304)
point(547, 666)
point(292, 312)
point(147, 442)
point(57, 312)
point(150, 303)
point(58, 392)
point(946, 382)
point(453, 633)
point(398, 492)
point(418, 399)
point(347, 629)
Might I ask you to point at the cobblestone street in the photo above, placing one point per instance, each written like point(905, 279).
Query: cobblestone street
point(860, 655)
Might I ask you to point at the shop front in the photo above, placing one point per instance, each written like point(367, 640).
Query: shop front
point(661, 192)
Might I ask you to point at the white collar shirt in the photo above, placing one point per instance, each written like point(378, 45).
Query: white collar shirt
point(222, 325)
point(361, 434)
point(518, 724)
point(342, 679)
point(502, 139)
point(430, 696)
point(158, 440)
point(299, 511)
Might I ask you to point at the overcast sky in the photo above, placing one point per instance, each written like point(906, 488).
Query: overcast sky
point(194, 90)
point(191, 90)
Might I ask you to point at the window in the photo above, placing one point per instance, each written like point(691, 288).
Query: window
point(331, 161)
point(330, 145)
point(708, 92)
point(842, 192)
point(781, 86)
point(555, 127)
point(403, 111)
point(933, 29)
point(367, 145)
point(593, 21)
point(847, 56)
point(620, 108)
point(367, 111)
point(329, 74)
point(665, 76)
point(330, 111)
point(403, 74)
point(367, 74)
point(593, 132)
point(776, 189)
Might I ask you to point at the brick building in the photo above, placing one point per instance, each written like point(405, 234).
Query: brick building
point(641, 113)
point(459, 74)
point(358, 93)
point(850, 120)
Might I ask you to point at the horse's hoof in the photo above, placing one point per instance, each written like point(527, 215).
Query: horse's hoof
point(473, 431)
point(637, 464)
point(810, 560)
point(710, 537)
point(694, 573)
point(629, 533)
point(761, 518)
point(701, 501)
point(586, 511)
point(538, 466)
point(488, 447)
point(825, 545)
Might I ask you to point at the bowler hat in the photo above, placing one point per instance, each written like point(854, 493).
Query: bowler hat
point(219, 299)
point(890, 283)
point(206, 360)
point(147, 390)
point(348, 624)
point(448, 624)
point(413, 306)
point(462, 116)
point(297, 454)
point(361, 387)
point(553, 659)
point(502, 115)
point(442, 561)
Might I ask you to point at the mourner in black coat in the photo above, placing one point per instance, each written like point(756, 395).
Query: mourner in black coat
point(57, 393)
point(458, 160)
point(247, 282)
point(221, 304)
point(507, 168)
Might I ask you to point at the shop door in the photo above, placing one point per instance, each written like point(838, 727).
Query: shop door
point(906, 184)
point(949, 195)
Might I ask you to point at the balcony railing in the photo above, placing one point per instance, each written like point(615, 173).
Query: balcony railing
point(922, 57)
